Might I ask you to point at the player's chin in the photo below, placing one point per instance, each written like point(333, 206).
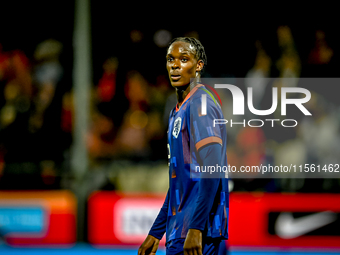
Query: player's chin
point(178, 84)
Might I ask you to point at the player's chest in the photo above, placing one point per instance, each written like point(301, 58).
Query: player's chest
point(178, 127)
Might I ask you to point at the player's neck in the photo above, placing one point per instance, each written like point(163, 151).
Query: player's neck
point(183, 91)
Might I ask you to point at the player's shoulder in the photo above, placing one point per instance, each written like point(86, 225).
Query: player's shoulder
point(212, 97)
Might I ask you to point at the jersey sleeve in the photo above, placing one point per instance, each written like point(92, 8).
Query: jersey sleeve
point(203, 130)
point(207, 190)
point(159, 226)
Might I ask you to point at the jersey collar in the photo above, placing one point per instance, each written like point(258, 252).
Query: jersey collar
point(188, 96)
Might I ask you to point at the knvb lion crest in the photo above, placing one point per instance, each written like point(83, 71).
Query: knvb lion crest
point(177, 127)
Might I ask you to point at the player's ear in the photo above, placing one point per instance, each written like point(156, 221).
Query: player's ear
point(199, 65)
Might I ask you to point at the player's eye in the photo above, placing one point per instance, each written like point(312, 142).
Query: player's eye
point(184, 60)
point(170, 59)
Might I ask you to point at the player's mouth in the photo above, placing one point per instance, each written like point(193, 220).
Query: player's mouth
point(175, 77)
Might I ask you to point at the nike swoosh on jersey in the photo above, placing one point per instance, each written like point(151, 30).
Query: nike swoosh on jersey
point(288, 227)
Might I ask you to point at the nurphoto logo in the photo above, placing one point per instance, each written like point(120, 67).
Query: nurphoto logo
point(238, 105)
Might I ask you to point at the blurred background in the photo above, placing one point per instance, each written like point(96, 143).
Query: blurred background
point(84, 106)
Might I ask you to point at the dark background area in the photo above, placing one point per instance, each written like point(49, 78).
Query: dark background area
point(227, 31)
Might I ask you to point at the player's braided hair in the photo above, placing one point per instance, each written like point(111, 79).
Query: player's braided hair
point(200, 52)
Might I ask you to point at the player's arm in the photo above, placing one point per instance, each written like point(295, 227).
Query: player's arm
point(208, 142)
point(151, 242)
point(210, 155)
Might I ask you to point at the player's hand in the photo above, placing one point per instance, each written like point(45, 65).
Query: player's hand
point(193, 242)
point(149, 246)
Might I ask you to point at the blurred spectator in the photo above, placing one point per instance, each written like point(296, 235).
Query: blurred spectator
point(46, 75)
point(321, 54)
point(289, 67)
point(17, 90)
point(30, 155)
point(107, 84)
point(107, 95)
point(320, 62)
point(132, 137)
point(3, 62)
point(288, 64)
point(141, 128)
point(67, 112)
point(105, 113)
point(101, 136)
point(320, 134)
point(257, 77)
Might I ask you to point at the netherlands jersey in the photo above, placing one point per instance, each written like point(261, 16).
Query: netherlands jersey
point(190, 130)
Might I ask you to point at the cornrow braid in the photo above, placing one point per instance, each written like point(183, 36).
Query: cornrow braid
point(199, 49)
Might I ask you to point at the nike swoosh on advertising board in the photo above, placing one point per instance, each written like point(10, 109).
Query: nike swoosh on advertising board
point(287, 227)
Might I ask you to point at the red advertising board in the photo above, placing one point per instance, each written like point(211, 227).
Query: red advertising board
point(38, 218)
point(115, 218)
point(256, 219)
point(250, 222)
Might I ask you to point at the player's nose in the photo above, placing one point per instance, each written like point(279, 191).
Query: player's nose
point(175, 64)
